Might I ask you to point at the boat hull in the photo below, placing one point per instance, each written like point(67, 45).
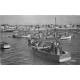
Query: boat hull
point(4, 45)
point(45, 55)
point(15, 36)
point(52, 56)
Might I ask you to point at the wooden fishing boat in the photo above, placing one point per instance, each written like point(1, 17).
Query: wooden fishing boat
point(54, 53)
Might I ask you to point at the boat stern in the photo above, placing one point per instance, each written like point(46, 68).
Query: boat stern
point(65, 57)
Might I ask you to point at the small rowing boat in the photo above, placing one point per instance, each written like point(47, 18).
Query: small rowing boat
point(4, 45)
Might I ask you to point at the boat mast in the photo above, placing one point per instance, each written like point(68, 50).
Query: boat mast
point(55, 28)
point(56, 31)
point(38, 31)
point(55, 21)
point(2, 36)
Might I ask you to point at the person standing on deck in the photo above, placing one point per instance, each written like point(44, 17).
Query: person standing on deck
point(29, 42)
point(57, 48)
point(52, 47)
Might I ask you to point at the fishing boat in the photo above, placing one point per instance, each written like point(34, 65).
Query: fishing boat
point(4, 45)
point(20, 34)
point(8, 30)
point(66, 37)
point(53, 52)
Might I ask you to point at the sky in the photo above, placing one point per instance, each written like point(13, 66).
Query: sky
point(39, 19)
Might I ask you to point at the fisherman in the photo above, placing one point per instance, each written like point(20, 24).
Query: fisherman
point(33, 43)
point(52, 46)
point(29, 41)
point(57, 48)
point(39, 43)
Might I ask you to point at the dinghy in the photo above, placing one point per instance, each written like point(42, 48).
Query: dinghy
point(4, 45)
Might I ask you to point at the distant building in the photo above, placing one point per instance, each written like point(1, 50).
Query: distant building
point(22, 27)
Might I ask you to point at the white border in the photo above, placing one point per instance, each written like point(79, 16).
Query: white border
point(42, 7)
point(39, 7)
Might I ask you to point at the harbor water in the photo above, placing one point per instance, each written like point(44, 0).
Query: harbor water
point(21, 54)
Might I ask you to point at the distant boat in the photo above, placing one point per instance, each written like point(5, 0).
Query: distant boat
point(7, 30)
point(66, 37)
point(53, 52)
point(18, 34)
point(4, 45)
point(22, 36)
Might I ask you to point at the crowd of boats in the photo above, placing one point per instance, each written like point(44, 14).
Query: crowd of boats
point(38, 42)
point(44, 43)
point(43, 34)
